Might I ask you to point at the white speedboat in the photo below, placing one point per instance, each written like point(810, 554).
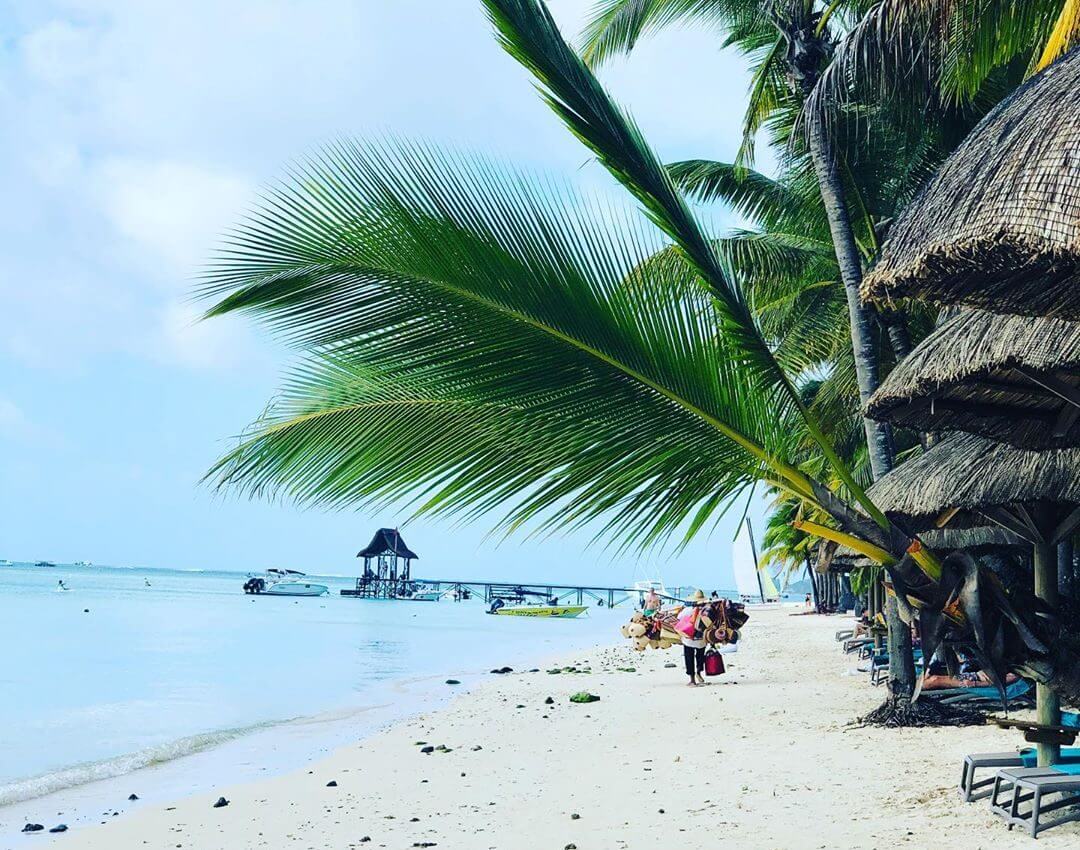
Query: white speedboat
point(420, 593)
point(283, 583)
point(82, 564)
point(4, 562)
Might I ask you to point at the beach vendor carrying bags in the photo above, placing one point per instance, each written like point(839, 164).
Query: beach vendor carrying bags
point(691, 623)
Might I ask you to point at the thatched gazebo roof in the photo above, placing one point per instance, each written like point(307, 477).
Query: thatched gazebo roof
point(966, 479)
point(387, 541)
point(1010, 378)
point(998, 226)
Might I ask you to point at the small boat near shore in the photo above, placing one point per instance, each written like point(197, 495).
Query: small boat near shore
point(516, 606)
point(283, 583)
point(420, 593)
point(562, 611)
point(44, 564)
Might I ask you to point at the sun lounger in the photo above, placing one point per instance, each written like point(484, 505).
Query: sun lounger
point(844, 634)
point(972, 788)
point(1017, 695)
point(1032, 786)
point(851, 644)
point(879, 666)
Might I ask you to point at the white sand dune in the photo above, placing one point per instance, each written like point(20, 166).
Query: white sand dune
point(762, 758)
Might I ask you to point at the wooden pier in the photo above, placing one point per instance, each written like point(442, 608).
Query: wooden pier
point(519, 591)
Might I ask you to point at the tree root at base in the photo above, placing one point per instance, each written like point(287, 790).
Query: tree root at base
point(902, 713)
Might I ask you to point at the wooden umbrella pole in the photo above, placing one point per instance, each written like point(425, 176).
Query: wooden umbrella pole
point(1047, 704)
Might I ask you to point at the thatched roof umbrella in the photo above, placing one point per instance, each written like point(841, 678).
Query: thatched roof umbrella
point(998, 226)
point(1035, 495)
point(1010, 378)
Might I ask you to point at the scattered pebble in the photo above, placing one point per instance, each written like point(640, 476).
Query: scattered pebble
point(332, 783)
point(221, 803)
point(584, 697)
point(33, 827)
point(452, 682)
point(428, 749)
point(575, 816)
point(133, 796)
point(60, 827)
point(549, 701)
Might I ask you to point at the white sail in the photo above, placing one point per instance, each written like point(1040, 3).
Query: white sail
point(769, 586)
point(744, 564)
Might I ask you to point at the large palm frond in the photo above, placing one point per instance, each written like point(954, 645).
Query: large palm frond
point(615, 26)
point(478, 345)
point(529, 34)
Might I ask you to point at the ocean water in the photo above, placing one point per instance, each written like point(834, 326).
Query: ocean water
point(135, 668)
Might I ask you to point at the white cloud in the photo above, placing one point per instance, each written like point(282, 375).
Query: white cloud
point(175, 210)
point(60, 52)
point(181, 338)
point(11, 415)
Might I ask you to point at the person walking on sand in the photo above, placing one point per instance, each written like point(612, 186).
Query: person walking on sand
point(691, 624)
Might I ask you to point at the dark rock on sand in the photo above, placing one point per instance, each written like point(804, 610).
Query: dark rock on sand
point(33, 827)
point(571, 847)
point(60, 827)
point(221, 803)
point(671, 664)
point(133, 796)
point(365, 839)
point(452, 682)
point(575, 816)
point(332, 783)
point(549, 701)
point(428, 749)
point(584, 696)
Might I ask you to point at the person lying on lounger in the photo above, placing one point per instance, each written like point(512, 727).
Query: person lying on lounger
point(937, 678)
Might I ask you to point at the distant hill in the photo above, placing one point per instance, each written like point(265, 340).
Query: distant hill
point(802, 586)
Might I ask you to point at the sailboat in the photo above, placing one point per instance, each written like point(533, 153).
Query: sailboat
point(754, 585)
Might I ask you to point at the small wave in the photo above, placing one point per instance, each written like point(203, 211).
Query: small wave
point(81, 774)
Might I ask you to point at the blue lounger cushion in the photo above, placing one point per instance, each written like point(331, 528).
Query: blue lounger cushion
point(1070, 758)
point(1017, 689)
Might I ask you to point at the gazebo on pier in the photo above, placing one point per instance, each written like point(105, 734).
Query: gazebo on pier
point(387, 566)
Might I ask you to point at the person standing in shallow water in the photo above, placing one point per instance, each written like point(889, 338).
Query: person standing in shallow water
point(651, 606)
point(694, 644)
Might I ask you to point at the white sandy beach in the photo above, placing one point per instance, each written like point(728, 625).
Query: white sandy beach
point(762, 758)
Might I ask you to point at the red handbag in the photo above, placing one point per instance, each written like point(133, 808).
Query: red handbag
point(714, 664)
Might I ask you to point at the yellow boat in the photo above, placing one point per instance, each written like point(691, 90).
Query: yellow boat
point(539, 610)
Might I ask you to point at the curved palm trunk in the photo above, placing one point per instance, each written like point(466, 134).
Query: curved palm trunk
point(878, 435)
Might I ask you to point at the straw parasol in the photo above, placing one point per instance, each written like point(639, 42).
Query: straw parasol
point(1010, 378)
point(1035, 495)
point(998, 226)
point(965, 477)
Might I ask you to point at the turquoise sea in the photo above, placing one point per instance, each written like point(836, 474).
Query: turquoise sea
point(180, 672)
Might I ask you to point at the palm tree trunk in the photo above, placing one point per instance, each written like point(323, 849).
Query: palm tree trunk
point(878, 435)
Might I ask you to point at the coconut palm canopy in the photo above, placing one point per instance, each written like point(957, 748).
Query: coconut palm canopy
point(998, 226)
point(965, 478)
point(1010, 378)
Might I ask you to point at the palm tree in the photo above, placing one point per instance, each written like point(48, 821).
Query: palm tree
point(792, 44)
point(474, 342)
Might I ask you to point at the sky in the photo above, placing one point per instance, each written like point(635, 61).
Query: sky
point(136, 132)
